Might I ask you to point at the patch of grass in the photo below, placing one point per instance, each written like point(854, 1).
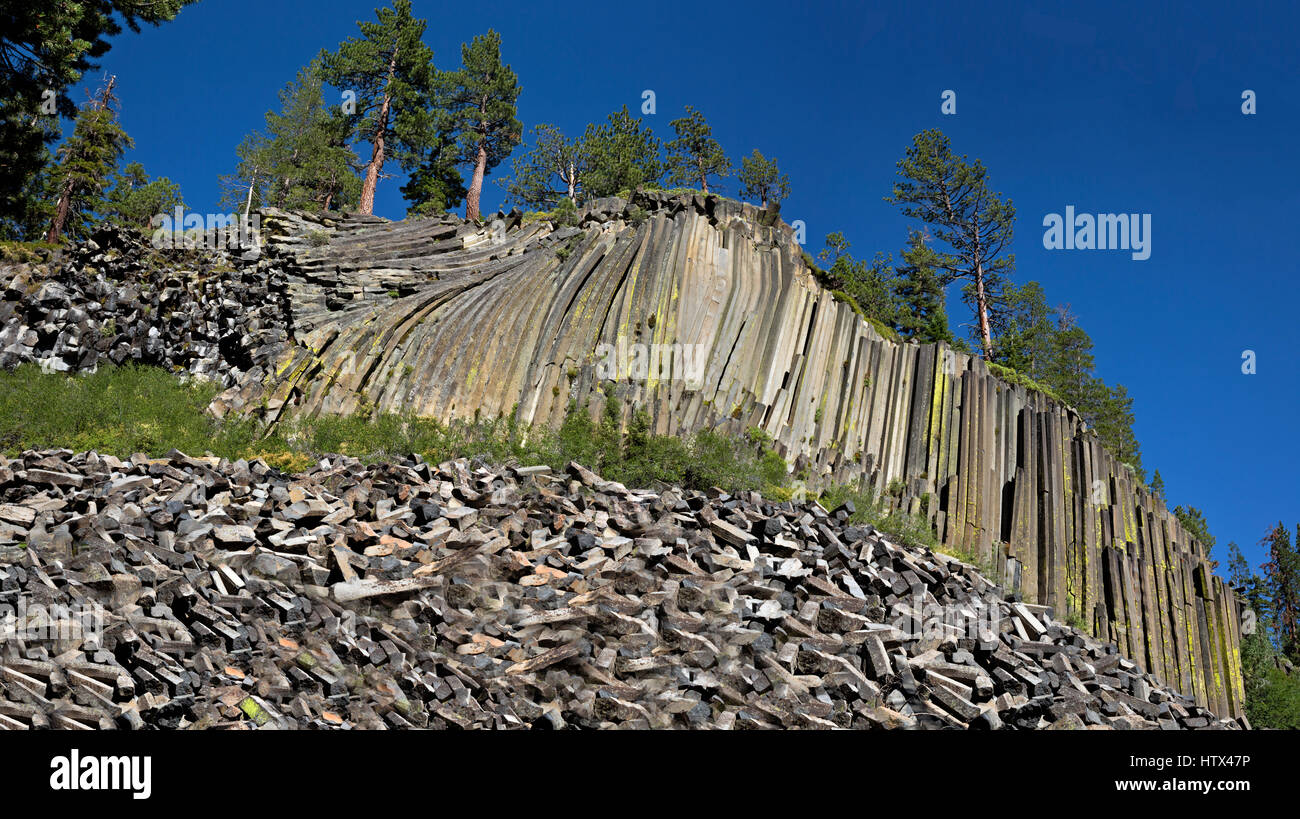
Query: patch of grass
point(869, 510)
point(1015, 377)
point(117, 410)
point(125, 410)
point(26, 252)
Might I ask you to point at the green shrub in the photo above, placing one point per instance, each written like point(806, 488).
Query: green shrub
point(118, 410)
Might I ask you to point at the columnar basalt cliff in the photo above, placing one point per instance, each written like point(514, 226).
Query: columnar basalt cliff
point(451, 319)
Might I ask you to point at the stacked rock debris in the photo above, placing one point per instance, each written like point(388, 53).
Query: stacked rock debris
point(185, 592)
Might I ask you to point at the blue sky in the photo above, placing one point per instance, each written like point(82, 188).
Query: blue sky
point(1103, 106)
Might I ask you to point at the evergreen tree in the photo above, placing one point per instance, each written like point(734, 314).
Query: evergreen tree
point(1024, 333)
point(245, 188)
point(973, 223)
point(391, 72)
point(301, 161)
point(1113, 419)
point(1282, 579)
point(551, 171)
point(1197, 526)
point(134, 199)
point(482, 103)
point(619, 155)
point(616, 156)
point(1071, 364)
point(436, 186)
point(86, 161)
point(45, 49)
point(25, 215)
point(694, 155)
point(761, 179)
point(1158, 492)
point(870, 286)
point(920, 313)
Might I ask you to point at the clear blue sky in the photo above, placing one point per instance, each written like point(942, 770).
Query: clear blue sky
point(1111, 107)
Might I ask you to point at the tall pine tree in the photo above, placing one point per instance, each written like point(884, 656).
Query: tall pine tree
point(1282, 576)
point(761, 179)
point(971, 223)
point(620, 154)
point(390, 70)
point(483, 105)
point(301, 161)
point(694, 155)
point(86, 162)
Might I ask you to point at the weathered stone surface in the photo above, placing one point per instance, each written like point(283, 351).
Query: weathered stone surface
point(391, 616)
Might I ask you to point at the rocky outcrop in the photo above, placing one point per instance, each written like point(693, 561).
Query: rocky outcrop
point(451, 319)
point(190, 592)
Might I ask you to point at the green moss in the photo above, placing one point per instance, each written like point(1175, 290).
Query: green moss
point(1014, 377)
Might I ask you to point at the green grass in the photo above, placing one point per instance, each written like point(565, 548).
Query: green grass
point(115, 410)
point(126, 410)
point(122, 411)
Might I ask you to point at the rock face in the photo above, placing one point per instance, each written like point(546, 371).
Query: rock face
point(450, 319)
point(182, 592)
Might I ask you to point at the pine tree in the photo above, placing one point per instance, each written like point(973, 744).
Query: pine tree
point(920, 313)
point(436, 186)
point(619, 155)
point(869, 286)
point(973, 223)
point(45, 49)
point(614, 157)
point(1024, 333)
point(1158, 489)
point(301, 161)
point(483, 105)
point(86, 161)
point(1282, 577)
point(1113, 419)
point(1197, 526)
point(391, 72)
point(761, 179)
point(551, 171)
point(134, 199)
point(695, 155)
point(25, 214)
point(245, 188)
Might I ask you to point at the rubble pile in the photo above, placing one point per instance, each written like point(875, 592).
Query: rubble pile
point(115, 299)
point(187, 592)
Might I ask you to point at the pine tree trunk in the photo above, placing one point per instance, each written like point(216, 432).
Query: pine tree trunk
point(704, 178)
point(573, 173)
point(61, 212)
point(982, 308)
point(476, 184)
point(367, 204)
